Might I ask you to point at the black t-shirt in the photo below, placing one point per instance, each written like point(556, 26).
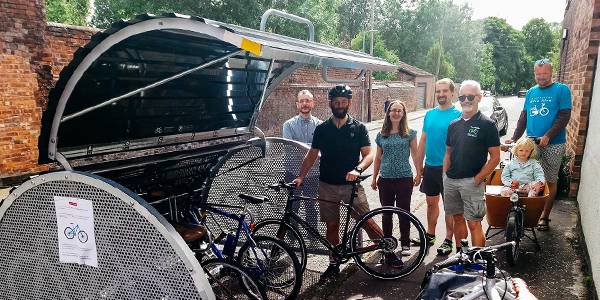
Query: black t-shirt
point(340, 148)
point(470, 141)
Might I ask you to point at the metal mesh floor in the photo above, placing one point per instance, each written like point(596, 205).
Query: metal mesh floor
point(135, 259)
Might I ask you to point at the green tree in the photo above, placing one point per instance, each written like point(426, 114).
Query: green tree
point(437, 62)
point(72, 12)
point(410, 28)
point(379, 50)
point(245, 13)
point(538, 38)
point(487, 70)
point(508, 54)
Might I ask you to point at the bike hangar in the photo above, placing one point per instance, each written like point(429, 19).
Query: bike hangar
point(151, 115)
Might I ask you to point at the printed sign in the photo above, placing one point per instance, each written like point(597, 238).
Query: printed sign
point(75, 223)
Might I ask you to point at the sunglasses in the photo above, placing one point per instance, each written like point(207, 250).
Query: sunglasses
point(543, 61)
point(467, 97)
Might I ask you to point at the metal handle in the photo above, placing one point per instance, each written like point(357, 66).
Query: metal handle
point(325, 76)
point(282, 14)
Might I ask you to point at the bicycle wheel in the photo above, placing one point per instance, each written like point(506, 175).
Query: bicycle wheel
point(287, 233)
point(512, 234)
point(274, 264)
point(230, 281)
point(382, 259)
point(82, 236)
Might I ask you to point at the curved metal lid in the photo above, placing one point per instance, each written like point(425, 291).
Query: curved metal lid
point(154, 81)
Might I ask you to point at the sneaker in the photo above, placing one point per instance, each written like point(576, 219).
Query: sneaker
point(445, 248)
point(393, 261)
point(430, 240)
point(332, 271)
point(405, 251)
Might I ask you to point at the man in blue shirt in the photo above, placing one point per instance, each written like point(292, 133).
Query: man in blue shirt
point(432, 147)
point(546, 113)
point(302, 127)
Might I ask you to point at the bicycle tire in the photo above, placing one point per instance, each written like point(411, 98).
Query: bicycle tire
point(82, 236)
point(281, 276)
point(292, 237)
point(229, 280)
point(379, 269)
point(69, 233)
point(512, 234)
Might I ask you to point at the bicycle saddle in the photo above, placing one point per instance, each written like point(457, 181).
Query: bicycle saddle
point(191, 233)
point(253, 199)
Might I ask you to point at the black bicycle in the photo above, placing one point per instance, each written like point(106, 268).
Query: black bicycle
point(372, 254)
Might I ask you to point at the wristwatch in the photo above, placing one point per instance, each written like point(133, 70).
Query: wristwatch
point(358, 169)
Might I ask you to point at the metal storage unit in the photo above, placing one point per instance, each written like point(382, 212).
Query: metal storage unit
point(141, 122)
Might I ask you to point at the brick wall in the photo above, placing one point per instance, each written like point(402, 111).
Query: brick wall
point(578, 56)
point(25, 81)
point(403, 91)
point(281, 104)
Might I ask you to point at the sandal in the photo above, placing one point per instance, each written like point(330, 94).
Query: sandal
point(543, 224)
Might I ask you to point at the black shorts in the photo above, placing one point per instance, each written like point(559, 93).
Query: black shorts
point(432, 183)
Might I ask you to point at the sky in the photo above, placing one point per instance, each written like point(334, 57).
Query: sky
point(518, 12)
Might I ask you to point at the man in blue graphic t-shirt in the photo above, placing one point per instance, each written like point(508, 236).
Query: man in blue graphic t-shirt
point(432, 147)
point(546, 113)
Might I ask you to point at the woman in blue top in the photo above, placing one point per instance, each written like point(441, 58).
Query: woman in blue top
point(392, 173)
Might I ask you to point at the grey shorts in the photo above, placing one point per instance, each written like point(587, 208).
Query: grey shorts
point(462, 196)
point(330, 197)
point(550, 159)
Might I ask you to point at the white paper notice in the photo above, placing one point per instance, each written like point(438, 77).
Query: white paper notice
point(75, 222)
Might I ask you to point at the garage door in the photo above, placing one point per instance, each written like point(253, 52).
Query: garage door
point(421, 87)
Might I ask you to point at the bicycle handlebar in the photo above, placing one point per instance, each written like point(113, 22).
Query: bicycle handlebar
point(468, 255)
point(291, 186)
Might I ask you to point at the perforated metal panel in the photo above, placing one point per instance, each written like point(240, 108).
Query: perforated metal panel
point(246, 171)
point(140, 256)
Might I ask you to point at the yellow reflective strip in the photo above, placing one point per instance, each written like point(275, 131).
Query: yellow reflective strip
point(251, 46)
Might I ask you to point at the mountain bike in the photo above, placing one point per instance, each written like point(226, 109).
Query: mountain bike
point(369, 254)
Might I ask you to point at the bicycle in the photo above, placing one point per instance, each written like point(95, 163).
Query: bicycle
point(227, 278)
point(352, 245)
point(472, 274)
point(71, 232)
point(267, 258)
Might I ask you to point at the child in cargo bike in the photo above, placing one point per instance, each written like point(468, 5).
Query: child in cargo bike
point(523, 174)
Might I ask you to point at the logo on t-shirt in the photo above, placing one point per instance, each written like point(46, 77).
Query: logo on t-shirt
point(473, 131)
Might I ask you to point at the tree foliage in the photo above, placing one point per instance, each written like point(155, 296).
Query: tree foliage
point(379, 50)
point(538, 38)
point(487, 69)
point(437, 62)
point(68, 11)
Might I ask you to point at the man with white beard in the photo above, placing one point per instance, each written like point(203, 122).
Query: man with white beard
point(469, 141)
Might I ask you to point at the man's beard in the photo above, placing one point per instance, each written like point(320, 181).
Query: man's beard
point(442, 100)
point(339, 113)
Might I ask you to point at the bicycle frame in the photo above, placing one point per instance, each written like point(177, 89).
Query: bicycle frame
point(240, 219)
point(289, 214)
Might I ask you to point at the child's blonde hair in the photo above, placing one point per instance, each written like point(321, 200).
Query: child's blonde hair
point(525, 142)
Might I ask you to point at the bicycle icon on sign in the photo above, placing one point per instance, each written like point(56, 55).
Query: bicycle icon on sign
point(71, 232)
point(543, 111)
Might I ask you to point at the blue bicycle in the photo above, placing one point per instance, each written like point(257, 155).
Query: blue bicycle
point(266, 258)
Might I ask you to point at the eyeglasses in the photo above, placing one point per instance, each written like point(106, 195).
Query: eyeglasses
point(467, 97)
point(396, 111)
point(543, 61)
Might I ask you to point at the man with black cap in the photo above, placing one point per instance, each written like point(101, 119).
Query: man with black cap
point(345, 152)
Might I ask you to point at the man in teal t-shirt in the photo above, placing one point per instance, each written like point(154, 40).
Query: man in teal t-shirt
point(546, 113)
point(432, 147)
